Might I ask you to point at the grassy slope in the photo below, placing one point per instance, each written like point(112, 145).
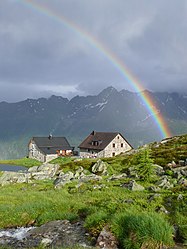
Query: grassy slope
point(96, 202)
point(27, 162)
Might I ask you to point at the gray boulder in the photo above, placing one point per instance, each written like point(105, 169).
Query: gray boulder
point(164, 183)
point(158, 169)
point(63, 179)
point(100, 167)
point(117, 177)
point(9, 177)
point(132, 185)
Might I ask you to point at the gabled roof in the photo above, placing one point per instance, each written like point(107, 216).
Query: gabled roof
point(49, 145)
point(103, 139)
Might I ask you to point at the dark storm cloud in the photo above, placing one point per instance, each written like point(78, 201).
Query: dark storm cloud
point(40, 56)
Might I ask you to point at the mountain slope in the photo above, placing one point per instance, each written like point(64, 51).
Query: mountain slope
point(110, 110)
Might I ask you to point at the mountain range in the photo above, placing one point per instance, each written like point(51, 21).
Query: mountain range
point(110, 110)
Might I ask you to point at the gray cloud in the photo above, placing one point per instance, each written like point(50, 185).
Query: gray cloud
point(40, 55)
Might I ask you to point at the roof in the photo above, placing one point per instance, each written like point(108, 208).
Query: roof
point(103, 139)
point(49, 145)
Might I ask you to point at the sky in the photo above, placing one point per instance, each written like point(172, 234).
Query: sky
point(41, 55)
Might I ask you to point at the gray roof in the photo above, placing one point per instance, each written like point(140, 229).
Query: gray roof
point(103, 139)
point(49, 145)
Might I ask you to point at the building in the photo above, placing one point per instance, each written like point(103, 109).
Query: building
point(45, 149)
point(104, 144)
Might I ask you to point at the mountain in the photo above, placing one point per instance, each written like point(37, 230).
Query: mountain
point(110, 110)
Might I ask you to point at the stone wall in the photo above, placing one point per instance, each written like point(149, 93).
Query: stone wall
point(35, 153)
point(50, 157)
point(116, 146)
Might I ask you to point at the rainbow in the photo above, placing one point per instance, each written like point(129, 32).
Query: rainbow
point(113, 59)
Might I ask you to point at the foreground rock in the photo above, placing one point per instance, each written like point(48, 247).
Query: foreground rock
point(53, 234)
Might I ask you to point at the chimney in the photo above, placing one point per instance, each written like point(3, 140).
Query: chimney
point(93, 133)
point(50, 136)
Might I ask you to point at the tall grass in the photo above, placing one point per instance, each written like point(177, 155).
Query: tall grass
point(142, 230)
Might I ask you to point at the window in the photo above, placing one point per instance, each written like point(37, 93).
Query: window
point(118, 137)
point(121, 145)
point(113, 154)
point(113, 145)
point(95, 143)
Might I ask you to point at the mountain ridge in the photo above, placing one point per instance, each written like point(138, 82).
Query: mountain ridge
point(110, 110)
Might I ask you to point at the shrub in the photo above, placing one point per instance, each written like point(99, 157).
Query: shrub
point(142, 230)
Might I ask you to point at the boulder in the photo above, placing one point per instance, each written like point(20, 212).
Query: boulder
point(9, 177)
point(158, 169)
point(100, 167)
point(63, 179)
point(107, 240)
point(117, 177)
point(164, 183)
point(132, 185)
point(91, 177)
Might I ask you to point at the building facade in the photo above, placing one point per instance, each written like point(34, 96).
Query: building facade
point(45, 149)
point(104, 144)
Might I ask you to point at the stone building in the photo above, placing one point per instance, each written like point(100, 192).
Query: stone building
point(48, 148)
point(104, 144)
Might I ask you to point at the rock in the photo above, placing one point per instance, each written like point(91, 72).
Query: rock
point(9, 177)
point(162, 209)
point(49, 168)
point(79, 172)
point(106, 240)
point(183, 182)
point(117, 177)
point(164, 183)
point(91, 177)
point(172, 164)
point(158, 169)
point(45, 171)
point(33, 169)
point(54, 234)
point(100, 167)
point(63, 179)
point(153, 189)
point(153, 197)
point(180, 197)
point(132, 172)
point(132, 185)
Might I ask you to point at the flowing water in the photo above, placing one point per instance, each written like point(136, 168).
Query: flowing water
point(16, 233)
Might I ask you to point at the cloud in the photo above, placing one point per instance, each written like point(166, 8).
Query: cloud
point(42, 54)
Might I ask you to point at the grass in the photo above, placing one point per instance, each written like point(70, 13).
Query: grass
point(38, 202)
point(27, 162)
point(142, 230)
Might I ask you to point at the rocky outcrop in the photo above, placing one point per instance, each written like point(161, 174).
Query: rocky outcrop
point(45, 171)
point(9, 177)
point(54, 234)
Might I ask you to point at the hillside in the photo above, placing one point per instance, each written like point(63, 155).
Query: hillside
point(139, 196)
point(110, 110)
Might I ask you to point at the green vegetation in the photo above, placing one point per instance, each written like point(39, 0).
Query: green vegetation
point(137, 218)
point(27, 162)
point(142, 230)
